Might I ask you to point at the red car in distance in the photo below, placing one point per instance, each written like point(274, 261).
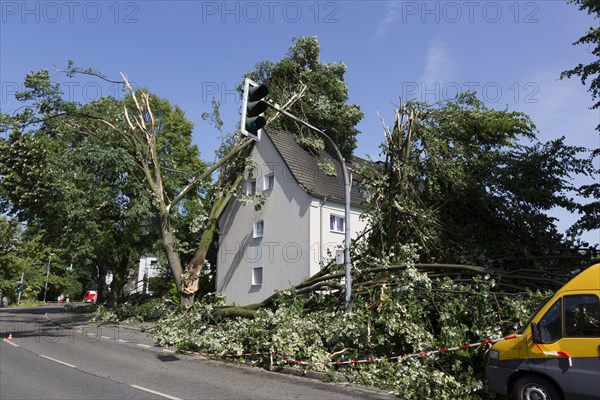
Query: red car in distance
point(90, 296)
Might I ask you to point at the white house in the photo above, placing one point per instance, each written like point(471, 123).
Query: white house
point(299, 227)
point(147, 268)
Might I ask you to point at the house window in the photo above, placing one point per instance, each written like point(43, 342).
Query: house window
point(257, 275)
point(269, 181)
point(251, 187)
point(259, 229)
point(336, 223)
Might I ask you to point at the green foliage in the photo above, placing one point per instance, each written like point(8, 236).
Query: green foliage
point(590, 212)
point(324, 104)
point(590, 71)
point(23, 251)
point(409, 314)
point(141, 309)
point(327, 167)
point(163, 287)
point(310, 142)
point(458, 180)
point(78, 167)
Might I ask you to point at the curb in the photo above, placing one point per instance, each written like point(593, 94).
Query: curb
point(321, 376)
point(334, 378)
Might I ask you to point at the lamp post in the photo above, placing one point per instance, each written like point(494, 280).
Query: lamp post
point(346, 177)
point(47, 273)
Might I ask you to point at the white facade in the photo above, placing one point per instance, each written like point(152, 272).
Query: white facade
point(326, 234)
point(148, 268)
point(283, 243)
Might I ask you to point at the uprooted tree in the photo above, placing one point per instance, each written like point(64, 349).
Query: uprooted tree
point(144, 128)
point(145, 137)
point(148, 144)
point(457, 181)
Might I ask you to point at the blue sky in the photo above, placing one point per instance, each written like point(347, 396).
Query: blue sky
point(511, 52)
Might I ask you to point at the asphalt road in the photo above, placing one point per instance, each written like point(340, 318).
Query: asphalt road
point(48, 361)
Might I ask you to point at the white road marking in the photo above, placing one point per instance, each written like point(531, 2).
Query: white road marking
point(11, 343)
point(166, 396)
point(105, 337)
point(57, 361)
point(123, 341)
point(143, 345)
point(168, 351)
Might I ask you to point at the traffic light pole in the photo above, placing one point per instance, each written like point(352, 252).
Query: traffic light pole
point(345, 175)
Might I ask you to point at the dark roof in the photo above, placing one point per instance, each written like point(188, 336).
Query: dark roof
point(305, 169)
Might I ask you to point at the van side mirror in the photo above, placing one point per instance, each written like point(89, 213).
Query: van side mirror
point(535, 333)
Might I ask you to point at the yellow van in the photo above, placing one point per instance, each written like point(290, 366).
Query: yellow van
point(557, 354)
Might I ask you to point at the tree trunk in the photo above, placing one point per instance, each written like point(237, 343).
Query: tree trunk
point(194, 268)
point(101, 284)
point(118, 281)
point(168, 244)
point(186, 299)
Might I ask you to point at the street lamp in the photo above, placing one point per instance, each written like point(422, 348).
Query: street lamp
point(47, 273)
point(346, 176)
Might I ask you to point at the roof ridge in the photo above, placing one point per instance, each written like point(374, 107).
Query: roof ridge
point(303, 166)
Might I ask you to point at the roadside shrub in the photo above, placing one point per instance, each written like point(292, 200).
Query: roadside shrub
point(150, 310)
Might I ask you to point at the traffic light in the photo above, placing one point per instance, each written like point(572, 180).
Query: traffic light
point(19, 286)
point(253, 106)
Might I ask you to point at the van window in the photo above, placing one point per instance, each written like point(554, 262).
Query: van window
point(582, 316)
point(551, 323)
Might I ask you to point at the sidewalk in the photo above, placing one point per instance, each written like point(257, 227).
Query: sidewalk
point(71, 320)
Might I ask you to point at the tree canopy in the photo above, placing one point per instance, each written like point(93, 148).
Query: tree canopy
point(84, 181)
point(325, 101)
point(458, 181)
point(589, 71)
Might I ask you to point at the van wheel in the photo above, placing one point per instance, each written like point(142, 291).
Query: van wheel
point(532, 387)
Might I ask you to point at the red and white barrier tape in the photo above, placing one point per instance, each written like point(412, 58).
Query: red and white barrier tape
point(352, 362)
point(559, 354)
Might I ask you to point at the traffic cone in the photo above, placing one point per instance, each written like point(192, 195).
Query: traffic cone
point(9, 336)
